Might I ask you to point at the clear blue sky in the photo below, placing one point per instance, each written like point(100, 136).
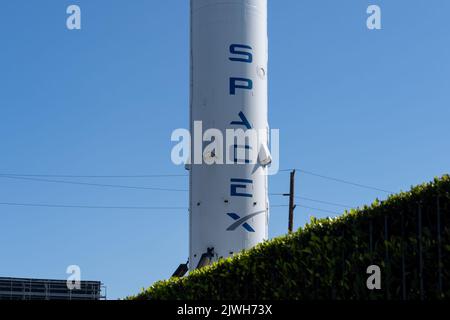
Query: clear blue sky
point(366, 106)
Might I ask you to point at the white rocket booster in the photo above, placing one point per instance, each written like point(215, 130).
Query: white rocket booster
point(229, 207)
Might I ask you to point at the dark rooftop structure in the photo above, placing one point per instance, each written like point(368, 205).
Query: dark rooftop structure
point(45, 289)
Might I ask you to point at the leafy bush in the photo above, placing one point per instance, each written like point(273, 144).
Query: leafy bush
point(328, 258)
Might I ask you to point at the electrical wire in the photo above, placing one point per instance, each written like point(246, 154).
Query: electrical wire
point(313, 200)
point(318, 209)
point(94, 176)
point(29, 176)
point(40, 178)
point(46, 205)
point(88, 207)
point(93, 184)
point(325, 202)
point(355, 184)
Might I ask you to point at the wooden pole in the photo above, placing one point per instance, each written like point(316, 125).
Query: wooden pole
point(291, 202)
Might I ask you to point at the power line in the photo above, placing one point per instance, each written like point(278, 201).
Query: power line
point(313, 200)
point(95, 176)
point(87, 207)
point(39, 178)
point(142, 188)
point(136, 187)
point(311, 208)
point(341, 181)
point(325, 202)
point(141, 176)
point(318, 209)
point(94, 184)
point(46, 205)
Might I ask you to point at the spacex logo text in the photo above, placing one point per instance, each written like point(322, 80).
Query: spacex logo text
point(242, 221)
point(238, 141)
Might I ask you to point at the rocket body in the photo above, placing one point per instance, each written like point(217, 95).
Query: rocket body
point(229, 207)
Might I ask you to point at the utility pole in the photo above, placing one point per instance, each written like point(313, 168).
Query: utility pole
point(292, 205)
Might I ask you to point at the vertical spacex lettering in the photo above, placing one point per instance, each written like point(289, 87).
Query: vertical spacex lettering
point(229, 54)
point(241, 83)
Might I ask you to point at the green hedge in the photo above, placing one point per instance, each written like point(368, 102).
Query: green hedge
point(328, 258)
